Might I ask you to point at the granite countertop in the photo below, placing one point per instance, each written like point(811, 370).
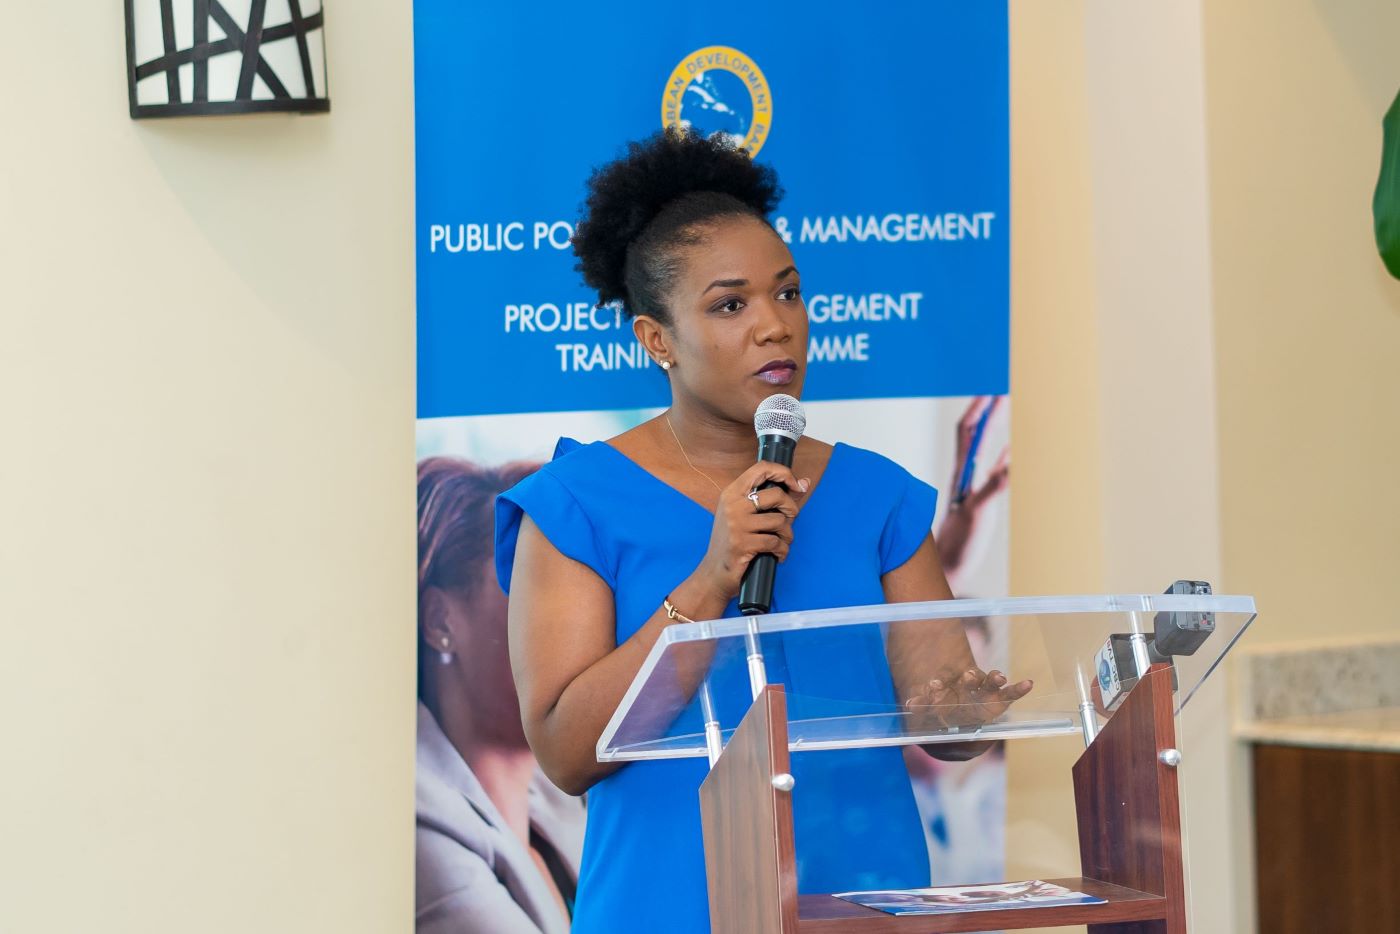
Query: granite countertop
point(1377, 730)
point(1339, 696)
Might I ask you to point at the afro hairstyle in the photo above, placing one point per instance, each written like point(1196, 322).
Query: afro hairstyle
point(641, 208)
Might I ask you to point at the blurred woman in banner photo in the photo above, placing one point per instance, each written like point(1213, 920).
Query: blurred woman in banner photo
point(612, 541)
point(498, 846)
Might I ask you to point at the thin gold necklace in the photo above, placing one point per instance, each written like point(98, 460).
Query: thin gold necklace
point(687, 456)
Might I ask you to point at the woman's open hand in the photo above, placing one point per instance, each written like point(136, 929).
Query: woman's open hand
point(962, 700)
point(966, 699)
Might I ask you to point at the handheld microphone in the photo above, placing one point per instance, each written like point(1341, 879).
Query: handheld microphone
point(779, 423)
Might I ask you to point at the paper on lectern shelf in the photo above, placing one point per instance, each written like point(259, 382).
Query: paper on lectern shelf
point(1033, 893)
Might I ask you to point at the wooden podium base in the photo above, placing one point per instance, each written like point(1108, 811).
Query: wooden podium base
point(1125, 800)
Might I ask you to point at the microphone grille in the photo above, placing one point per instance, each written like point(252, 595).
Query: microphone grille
point(780, 414)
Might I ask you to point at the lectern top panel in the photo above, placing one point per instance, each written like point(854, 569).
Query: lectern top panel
point(900, 674)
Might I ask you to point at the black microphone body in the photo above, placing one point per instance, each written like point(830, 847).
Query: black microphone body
point(756, 589)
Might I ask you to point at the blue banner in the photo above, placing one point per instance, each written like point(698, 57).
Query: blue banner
point(888, 125)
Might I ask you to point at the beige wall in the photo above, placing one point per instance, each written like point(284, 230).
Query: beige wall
point(1112, 365)
point(1307, 321)
point(206, 564)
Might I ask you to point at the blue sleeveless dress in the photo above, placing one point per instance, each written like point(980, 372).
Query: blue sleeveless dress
point(856, 825)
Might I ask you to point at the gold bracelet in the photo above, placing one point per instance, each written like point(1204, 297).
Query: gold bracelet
point(672, 612)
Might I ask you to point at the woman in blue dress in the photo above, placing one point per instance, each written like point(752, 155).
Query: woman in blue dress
point(599, 544)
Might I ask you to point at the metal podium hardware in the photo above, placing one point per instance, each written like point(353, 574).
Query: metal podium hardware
point(758, 672)
point(1138, 640)
point(1088, 720)
point(714, 740)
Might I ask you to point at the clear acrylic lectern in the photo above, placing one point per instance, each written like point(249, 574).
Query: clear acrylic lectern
point(749, 692)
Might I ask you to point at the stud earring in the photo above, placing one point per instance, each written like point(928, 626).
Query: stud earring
point(445, 656)
point(665, 364)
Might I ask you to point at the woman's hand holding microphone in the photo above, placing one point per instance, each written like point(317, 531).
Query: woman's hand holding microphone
point(749, 522)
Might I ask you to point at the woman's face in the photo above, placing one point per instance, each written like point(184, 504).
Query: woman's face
point(481, 662)
point(738, 329)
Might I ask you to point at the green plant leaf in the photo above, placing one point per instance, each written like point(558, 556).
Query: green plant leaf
point(1387, 202)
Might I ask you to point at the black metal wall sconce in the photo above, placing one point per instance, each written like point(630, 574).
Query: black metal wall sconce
point(203, 57)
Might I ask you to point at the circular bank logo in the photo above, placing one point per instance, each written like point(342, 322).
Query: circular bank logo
point(720, 90)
